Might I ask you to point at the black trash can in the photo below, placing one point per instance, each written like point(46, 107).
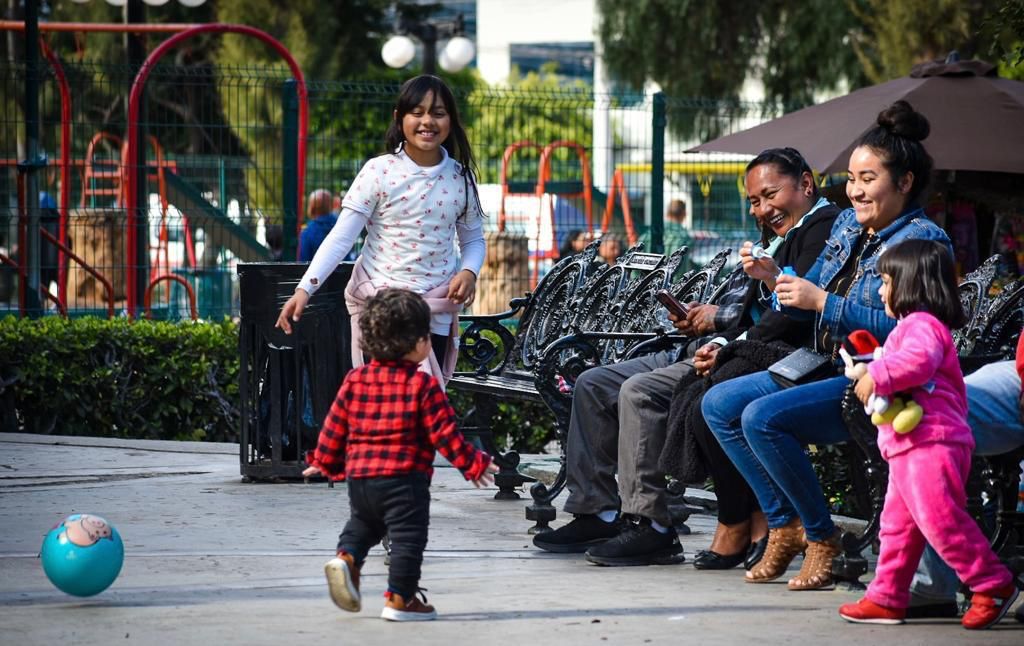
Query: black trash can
point(288, 382)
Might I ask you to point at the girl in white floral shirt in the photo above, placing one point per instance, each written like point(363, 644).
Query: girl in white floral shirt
point(414, 202)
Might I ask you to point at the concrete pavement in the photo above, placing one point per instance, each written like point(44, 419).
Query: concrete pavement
point(210, 560)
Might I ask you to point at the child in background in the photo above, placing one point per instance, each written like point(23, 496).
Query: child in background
point(380, 436)
point(928, 467)
point(413, 202)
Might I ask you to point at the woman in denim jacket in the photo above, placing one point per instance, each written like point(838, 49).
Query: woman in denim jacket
point(763, 427)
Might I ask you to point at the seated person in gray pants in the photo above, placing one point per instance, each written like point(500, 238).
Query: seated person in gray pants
point(620, 412)
point(636, 392)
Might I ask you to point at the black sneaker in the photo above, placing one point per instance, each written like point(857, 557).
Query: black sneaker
point(638, 544)
point(576, 536)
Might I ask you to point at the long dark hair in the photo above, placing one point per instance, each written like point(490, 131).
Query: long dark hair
point(896, 139)
point(457, 144)
point(410, 96)
point(922, 279)
point(788, 162)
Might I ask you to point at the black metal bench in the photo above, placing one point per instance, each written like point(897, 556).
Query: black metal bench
point(990, 334)
point(577, 294)
point(603, 333)
point(577, 290)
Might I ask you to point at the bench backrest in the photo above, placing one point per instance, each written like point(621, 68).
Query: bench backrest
point(638, 310)
point(993, 323)
point(549, 306)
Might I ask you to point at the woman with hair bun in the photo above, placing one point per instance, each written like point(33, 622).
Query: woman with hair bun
point(762, 426)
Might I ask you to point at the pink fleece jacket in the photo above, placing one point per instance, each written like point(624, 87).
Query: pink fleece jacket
point(920, 358)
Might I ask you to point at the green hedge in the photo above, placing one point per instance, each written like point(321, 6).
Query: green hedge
point(115, 378)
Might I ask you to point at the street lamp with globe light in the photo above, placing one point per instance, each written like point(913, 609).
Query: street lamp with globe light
point(458, 52)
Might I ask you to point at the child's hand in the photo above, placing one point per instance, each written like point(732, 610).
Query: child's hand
point(487, 478)
point(462, 289)
point(292, 310)
point(309, 472)
point(864, 388)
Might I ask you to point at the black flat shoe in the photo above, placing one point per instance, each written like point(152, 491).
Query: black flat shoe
point(708, 560)
point(755, 553)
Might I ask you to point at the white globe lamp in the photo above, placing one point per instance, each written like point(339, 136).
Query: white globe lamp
point(457, 54)
point(398, 51)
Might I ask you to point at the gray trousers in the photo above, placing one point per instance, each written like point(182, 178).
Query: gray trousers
point(618, 424)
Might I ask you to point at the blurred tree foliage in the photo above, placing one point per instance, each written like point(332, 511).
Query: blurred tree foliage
point(798, 49)
point(889, 38)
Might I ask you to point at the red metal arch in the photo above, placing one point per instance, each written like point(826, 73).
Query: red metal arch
point(131, 159)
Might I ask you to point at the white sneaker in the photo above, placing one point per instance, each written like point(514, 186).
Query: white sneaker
point(343, 582)
point(398, 609)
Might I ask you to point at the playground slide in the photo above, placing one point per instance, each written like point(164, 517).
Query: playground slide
point(220, 230)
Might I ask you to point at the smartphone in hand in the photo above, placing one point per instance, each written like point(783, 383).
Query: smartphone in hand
point(671, 304)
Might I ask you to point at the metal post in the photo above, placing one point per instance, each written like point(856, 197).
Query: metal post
point(658, 173)
point(428, 36)
point(33, 161)
point(134, 12)
point(289, 170)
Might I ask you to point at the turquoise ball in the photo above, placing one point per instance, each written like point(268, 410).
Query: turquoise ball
point(82, 555)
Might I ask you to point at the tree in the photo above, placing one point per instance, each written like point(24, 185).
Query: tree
point(1004, 29)
point(891, 37)
point(798, 49)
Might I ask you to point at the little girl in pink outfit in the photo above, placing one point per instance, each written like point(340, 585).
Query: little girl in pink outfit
point(928, 466)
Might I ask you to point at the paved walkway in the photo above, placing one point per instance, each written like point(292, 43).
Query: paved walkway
point(210, 560)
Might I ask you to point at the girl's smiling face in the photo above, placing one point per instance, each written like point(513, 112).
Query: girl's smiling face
point(425, 128)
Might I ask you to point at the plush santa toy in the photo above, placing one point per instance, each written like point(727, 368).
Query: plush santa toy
point(861, 348)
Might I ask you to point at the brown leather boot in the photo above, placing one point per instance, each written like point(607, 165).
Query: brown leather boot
point(816, 572)
point(343, 582)
point(784, 543)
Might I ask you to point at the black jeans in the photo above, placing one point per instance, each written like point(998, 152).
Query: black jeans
point(398, 507)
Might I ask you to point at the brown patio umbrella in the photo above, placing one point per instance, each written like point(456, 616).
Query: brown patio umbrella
point(977, 121)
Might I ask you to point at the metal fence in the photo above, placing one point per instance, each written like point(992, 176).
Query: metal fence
point(219, 180)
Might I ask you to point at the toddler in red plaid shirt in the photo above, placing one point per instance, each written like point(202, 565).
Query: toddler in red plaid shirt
point(380, 436)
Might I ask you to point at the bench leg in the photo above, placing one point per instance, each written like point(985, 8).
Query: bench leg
point(848, 567)
point(542, 512)
point(508, 479)
point(1000, 480)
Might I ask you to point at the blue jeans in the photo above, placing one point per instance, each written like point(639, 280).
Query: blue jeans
point(992, 394)
point(763, 428)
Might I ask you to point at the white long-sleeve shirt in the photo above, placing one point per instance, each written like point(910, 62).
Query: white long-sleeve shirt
point(412, 216)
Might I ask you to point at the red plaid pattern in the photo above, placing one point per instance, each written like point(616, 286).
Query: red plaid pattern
point(387, 420)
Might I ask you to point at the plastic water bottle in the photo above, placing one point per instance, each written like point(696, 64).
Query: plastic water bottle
point(757, 252)
point(786, 271)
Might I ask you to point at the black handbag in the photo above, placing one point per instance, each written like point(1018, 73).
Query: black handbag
point(801, 367)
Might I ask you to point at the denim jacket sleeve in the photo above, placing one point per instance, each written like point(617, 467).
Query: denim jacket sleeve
point(862, 308)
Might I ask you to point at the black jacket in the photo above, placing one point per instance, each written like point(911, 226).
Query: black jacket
point(800, 251)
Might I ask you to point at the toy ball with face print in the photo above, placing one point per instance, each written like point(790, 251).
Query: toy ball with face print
point(82, 555)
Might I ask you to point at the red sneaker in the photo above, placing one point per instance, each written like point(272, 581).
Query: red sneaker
point(866, 611)
point(988, 609)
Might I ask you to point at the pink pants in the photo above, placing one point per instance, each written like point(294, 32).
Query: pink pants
point(926, 501)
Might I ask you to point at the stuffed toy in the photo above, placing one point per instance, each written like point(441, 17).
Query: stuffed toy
point(859, 349)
